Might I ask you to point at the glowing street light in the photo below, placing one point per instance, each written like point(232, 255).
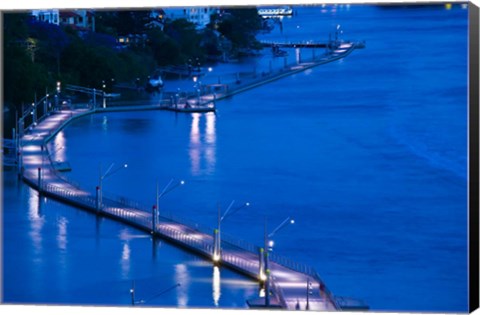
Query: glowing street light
point(110, 171)
point(34, 114)
point(156, 210)
point(217, 246)
point(268, 246)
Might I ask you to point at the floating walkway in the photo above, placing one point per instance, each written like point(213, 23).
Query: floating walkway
point(291, 286)
point(306, 44)
point(342, 51)
point(288, 279)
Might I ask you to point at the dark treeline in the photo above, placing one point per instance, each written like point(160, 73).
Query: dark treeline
point(38, 54)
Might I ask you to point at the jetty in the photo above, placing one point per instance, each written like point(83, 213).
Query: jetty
point(285, 283)
point(341, 50)
point(302, 44)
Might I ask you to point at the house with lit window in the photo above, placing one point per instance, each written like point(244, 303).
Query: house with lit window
point(131, 40)
point(156, 20)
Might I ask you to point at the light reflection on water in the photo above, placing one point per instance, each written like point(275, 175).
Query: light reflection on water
point(125, 260)
point(216, 285)
point(210, 136)
point(105, 123)
point(202, 150)
point(183, 278)
point(62, 233)
point(59, 143)
point(36, 220)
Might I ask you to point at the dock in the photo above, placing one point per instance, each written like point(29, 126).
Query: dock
point(287, 284)
point(303, 44)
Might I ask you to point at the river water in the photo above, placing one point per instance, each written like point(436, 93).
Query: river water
point(368, 154)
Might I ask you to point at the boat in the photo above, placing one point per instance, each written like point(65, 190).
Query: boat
point(154, 83)
point(272, 12)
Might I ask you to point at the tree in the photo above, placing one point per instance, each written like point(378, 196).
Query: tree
point(52, 40)
point(185, 34)
point(240, 26)
point(22, 78)
point(165, 50)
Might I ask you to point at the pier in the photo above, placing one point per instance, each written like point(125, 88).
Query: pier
point(305, 44)
point(286, 284)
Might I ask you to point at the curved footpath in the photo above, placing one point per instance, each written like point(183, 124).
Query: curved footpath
point(342, 51)
point(288, 279)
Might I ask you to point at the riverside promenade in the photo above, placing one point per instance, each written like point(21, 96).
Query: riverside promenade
point(247, 82)
point(291, 285)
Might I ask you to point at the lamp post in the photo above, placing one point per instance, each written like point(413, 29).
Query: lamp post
point(197, 86)
point(309, 292)
point(45, 102)
point(156, 210)
point(132, 293)
point(107, 174)
point(34, 114)
point(103, 93)
point(268, 246)
point(217, 246)
point(57, 95)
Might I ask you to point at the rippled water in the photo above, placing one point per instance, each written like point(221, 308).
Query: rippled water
point(368, 154)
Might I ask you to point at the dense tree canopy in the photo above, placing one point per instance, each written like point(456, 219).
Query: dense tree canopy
point(240, 26)
point(37, 54)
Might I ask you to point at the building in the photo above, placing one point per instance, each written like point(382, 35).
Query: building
point(200, 16)
point(47, 16)
point(156, 19)
point(82, 20)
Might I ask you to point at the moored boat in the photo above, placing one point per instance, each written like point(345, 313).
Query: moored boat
point(269, 12)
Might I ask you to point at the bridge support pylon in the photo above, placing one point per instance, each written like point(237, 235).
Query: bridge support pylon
point(40, 180)
point(216, 247)
point(261, 270)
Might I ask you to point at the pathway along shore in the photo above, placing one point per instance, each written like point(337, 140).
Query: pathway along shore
point(211, 93)
point(292, 285)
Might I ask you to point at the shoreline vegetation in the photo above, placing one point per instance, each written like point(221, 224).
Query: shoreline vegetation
point(38, 54)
